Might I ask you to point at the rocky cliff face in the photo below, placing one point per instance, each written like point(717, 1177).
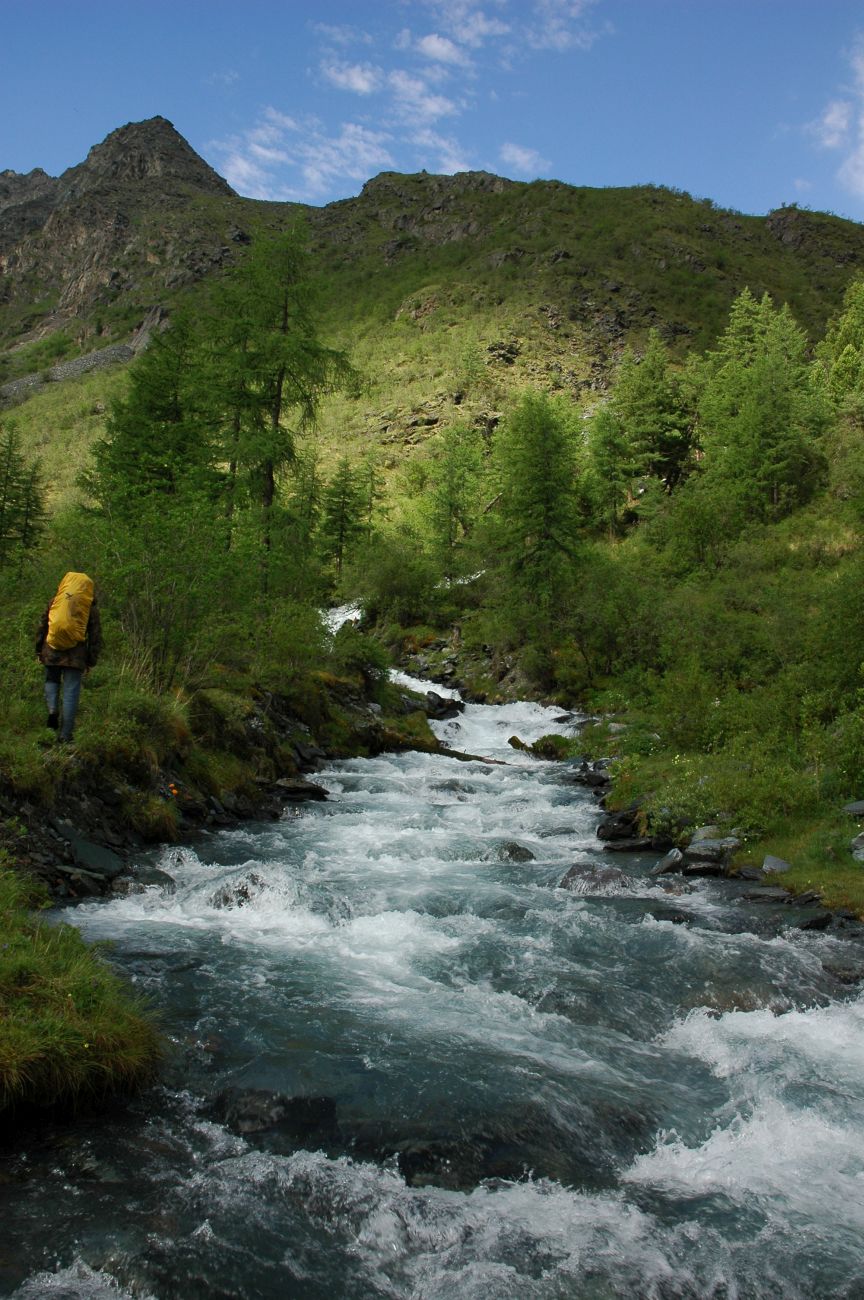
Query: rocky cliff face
point(75, 244)
point(85, 257)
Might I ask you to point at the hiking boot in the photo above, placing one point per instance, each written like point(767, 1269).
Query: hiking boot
point(52, 721)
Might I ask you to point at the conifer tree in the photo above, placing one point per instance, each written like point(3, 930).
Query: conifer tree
point(22, 498)
point(343, 514)
point(760, 415)
point(157, 440)
point(610, 469)
point(268, 368)
point(649, 406)
point(454, 494)
point(535, 535)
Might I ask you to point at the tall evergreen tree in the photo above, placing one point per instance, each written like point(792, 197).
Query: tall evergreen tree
point(760, 414)
point(343, 514)
point(268, 368)
point(610, 469)
point(22, 499)
point(535, 539)
point(453, 494)
point(158, 440)
point(650, 408)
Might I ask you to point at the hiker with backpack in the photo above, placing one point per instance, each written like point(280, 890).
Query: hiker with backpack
point(68, 644)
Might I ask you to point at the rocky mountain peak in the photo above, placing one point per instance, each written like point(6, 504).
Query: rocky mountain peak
point(153, 152)
point(16, 187)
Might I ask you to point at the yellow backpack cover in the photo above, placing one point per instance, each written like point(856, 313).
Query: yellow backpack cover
point(69, 611)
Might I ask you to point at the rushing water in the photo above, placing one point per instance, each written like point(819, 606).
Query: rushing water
point(530, 1092)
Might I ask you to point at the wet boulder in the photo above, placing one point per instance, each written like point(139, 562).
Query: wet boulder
point(709, 857)
point(513, 852)
point(673, 861)
point(440, 708)
point(641, 844)
point(294, 789)
point(593, 775)
point(619, 825)
point(257, 1110)
point(237, 893)
point(586, 878)
point(767, 894)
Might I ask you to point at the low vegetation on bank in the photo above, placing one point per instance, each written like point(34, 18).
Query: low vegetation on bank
point(682, 558)
point(71, 1034)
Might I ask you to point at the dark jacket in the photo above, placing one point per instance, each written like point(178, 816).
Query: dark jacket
point(82, 655)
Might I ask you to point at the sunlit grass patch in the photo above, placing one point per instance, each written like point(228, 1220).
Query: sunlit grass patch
point(71, 1032)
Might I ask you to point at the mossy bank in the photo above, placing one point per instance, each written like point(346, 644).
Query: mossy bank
point(145, 769)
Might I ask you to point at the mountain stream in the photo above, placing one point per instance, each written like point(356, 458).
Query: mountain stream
point(490, 1086)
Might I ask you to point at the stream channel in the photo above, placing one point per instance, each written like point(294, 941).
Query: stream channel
point(511, 1089)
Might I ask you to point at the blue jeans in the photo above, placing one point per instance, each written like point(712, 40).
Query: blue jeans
point(71, 678)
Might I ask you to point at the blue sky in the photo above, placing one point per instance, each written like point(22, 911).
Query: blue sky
point(752, 103)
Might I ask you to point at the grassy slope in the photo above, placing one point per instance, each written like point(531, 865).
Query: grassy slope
point(420, 275)
point(71, 1033)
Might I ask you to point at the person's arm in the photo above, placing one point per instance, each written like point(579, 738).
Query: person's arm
point(43, 632)
point(94, 636)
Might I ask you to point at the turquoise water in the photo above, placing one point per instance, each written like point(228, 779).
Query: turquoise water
point(530, 1092)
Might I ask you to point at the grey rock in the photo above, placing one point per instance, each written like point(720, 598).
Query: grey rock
point(237, 893)
point(855, 809)
point(637, 844)
point(673, 861)
point(296, 790)
point(585, 878)
point(819, 921)
point(255, 1110)
point(768, 894)
point(712, 850)
point(92, 857)
point(618, 826)
point(705, 833)
point(513, 852)
point(750, 873)
point(845, 972)
point(704, 867)
point(857, 847)
point(775, 866)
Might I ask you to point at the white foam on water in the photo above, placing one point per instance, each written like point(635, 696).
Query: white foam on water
point(421, 686)
point(78, 1281)
point(396, 914)
point(334, 618)
point(823, 1045)
point(792, 1137)
point(526, 1239)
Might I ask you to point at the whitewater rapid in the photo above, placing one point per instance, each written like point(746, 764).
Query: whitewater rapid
point(533, 1092)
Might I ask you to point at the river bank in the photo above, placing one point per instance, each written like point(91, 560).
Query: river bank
point(72, 1035)
point(813, 851)
point(406, 1061)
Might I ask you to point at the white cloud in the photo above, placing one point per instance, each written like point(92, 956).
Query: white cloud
point(527, 162)
point(283, 158)
point(223, 78)
point(445, 153)
point(342, 35)
point(841, 126)
point(559, 25)
point(467, 23)
point(801, 185)
point(442, 50)
point(832, 128)
point(414, 99)
point(361, 78)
